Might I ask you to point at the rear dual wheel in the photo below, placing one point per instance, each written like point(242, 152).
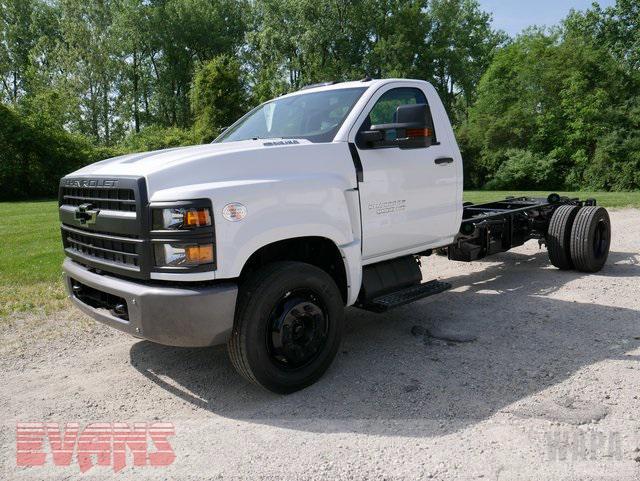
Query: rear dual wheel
point(559, 236)
point(579, 238)
point(590, 239)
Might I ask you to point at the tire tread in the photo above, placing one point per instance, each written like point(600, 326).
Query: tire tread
point(237, 353)
point(559, 236)
point(582, 254)
point(237, 344)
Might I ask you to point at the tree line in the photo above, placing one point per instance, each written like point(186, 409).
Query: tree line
point(81, 81)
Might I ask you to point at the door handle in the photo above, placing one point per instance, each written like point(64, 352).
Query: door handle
point(443, 160)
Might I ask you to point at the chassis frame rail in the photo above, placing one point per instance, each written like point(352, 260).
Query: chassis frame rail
point(498, 226)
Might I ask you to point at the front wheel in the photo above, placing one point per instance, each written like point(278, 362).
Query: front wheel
point(288, 326)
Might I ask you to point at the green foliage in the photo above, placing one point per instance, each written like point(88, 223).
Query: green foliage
point(522, 169)
point(556, 96)
point(88, 80)
point(34, 155)
point(16, 41)
point(35, 152)
point(218, 96)
point(120, 65)
point(616, 27)
point(117, 66)
point(156, 137)
point(183, 33)
point(470, 150)
point(299, 42)
point(616, 160)
point(456, 71)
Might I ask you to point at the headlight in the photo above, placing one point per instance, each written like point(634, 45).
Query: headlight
point(182, 236)
point(180, 218)
point(183, 255)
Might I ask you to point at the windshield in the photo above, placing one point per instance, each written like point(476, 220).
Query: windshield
point(313, 116)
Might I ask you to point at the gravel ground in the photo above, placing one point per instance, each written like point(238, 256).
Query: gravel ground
point(546, 385)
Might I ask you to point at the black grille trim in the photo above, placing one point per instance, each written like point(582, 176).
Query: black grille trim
point(108, 266)
point(102, 235)
point(101, 198)
point(116, 243)
point(103, 248)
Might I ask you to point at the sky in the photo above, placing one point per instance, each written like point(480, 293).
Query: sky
point(513, 16)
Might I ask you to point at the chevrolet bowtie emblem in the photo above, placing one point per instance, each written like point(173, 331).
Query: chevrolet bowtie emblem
point(86, 214)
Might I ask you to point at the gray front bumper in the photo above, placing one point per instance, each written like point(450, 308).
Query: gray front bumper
point(174, 316)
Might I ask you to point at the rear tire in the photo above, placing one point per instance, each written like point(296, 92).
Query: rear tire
point(591, 239)
point(559, 236)
point(288, 326)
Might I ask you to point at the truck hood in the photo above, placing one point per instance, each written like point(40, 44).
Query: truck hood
point(262, 160)
point(145, 163)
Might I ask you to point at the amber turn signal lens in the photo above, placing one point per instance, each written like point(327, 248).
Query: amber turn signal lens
point(419, 133)
point(197, 218)
point(200, 254)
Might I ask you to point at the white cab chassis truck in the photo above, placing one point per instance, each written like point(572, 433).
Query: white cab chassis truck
point(312, 202)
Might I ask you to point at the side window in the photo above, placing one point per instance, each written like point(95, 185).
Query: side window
point(384, 110)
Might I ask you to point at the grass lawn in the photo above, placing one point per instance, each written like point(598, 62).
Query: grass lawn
point(31, 252)
point(605, 199)
point(30, 258)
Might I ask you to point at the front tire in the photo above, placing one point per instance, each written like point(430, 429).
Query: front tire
point(288, 326)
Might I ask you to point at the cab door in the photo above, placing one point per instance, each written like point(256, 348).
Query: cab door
point(409, 197)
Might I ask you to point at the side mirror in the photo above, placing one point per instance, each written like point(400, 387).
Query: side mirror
point(411, 130)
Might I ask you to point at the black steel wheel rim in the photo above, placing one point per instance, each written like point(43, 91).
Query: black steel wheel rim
point(297, 329)
point(601, 239)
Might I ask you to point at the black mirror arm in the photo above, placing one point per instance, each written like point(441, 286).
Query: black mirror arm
point(372, 136)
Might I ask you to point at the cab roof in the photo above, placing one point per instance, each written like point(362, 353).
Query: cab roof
point(366, 83)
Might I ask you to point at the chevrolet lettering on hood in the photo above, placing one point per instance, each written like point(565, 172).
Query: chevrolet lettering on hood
point(91, 183)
